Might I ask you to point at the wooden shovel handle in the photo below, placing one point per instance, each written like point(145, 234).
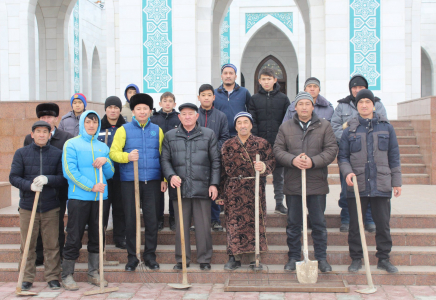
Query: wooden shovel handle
point(182, 236)
point(256, 214)
point(138, 212)
point(100, 233)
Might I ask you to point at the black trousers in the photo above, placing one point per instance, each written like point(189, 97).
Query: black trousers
point(81, 213)
point(316, 207)
point(115, 199)
point(150, 197)
point(63, 196)
point(381, 213)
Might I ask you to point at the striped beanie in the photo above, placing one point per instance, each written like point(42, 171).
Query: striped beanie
point(303, 95)
point(229, 66)
point(80, 97)
point(242, 114)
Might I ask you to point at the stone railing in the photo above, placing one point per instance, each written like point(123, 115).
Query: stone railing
point(422, 115)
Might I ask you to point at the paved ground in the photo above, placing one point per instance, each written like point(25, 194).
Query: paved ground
point(215, 292)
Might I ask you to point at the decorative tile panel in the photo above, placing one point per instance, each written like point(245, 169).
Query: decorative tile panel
point(225, 39)
point(76, 49)
point(157, 46)
point(252, 18)
point(365, 41)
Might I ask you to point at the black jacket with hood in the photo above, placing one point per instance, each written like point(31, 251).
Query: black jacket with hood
point(166, 121)
point(217, 121)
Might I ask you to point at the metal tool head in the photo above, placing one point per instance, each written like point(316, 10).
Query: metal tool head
point(370, 290)
point(19, 292)
point(307, 271)
point(179, 286)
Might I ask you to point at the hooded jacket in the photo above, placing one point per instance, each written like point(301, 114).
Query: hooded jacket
point(217, 121)
point(30, 162)
point(78, 156)
point(166, 121)
point(231, 104)
point(268, 110)
point(347, 109)
point(369, 149)
point(127, 112)
point(70, 123)
point(318, 142)
point(105, 125)
point(323, 109)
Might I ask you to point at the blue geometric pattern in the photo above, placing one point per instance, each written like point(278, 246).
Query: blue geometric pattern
point(225, 39)
point(76, 49)
point(157, 42)
point(365, 41)
point(252, 18)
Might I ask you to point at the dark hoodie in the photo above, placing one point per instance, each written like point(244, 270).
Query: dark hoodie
point(268, 110)
point(166, 121)
point(127, 113)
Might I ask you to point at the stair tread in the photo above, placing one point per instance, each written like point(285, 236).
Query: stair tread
point(403, 165)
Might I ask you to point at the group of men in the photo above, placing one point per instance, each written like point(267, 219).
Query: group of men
point(209, 152)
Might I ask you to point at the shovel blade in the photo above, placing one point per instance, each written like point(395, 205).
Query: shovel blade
point(307, 271)
point(179, 286)
point(370, 290)
point(26, 293)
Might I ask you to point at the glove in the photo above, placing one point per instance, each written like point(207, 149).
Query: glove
point(36, 188)
point(40, 180)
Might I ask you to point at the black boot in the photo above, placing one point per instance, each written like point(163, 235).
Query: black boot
point(67, 275)
point(324, 266)
point(355, 266)
point(385, 264)
point(232, 264)
point(291, 265)
point(172, 223)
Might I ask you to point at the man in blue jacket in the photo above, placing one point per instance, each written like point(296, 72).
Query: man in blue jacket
point(111, 121)
point(230, 98)
point(369, 150)
point(38, 168)
point(83, 156)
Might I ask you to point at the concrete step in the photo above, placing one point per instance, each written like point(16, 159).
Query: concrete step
point(400, 123)
point(405, 169)
point(411, 159)
point(404, 131)
point(338, 255)
point(407, 179)
point(275, 236)
point(277, 220)
point(407, 275)
point(409, 149)
point(406, 140)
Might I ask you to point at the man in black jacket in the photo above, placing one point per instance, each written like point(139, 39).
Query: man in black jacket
point(166, 118)
point(217, 121)
point(111, 121)
point(38, 168)
point(190, 160)
point(49, 112)
point(268, 108)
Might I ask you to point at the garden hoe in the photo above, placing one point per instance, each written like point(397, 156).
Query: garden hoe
point(102, 289)
point(184, 284)
point(371, 289)
point(18, 290)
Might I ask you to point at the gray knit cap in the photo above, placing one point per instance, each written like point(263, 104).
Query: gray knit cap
point(303, 95)
point(312, 80)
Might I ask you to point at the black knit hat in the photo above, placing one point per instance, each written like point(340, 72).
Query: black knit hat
point(41, 124)
point(141, 98)
point(188, 105)
point(47, 109)
point(113, 100)
point(365, 94)
point(358, 80)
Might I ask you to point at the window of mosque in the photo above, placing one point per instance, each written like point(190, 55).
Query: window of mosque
point(273, 65)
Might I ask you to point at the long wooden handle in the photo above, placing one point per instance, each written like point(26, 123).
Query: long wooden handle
point(138, 213)
point(256, 214)
point(100, 233)
point(26, 247)
point(304, 203)
point(362, 234)
point(182, 236)
point(106, 136)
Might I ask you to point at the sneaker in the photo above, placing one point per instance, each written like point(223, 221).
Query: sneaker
point(205, 266)
point(385, 264)
point(216, 226)
point(355, 266)
point(344, 227)
point(281, 209)
point(324, 266)
point(178, 266)
point(160, 224)
point(370, 227)
point(192, 228)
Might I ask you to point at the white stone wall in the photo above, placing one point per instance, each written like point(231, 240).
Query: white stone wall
point(428, 37)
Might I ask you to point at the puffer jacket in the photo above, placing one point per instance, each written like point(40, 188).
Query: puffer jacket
point(317, 142)
point(217, 121)
point(70, 123)
point(166, 121)
point(369, 149)
point(268, 110)
point(30, 162)
point(323, 109)
point(78, 156)
point(194, 158)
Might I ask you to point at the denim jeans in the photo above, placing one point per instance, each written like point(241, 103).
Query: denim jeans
point(343, 203)
point(316, 207)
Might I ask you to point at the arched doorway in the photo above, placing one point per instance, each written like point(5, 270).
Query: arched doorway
point(273, 63)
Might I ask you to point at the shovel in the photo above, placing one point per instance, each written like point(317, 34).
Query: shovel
point(307, 270)
point(18, 290)
point(184, 284)
point(371, 289)
point(257, 266)
point(101, 290)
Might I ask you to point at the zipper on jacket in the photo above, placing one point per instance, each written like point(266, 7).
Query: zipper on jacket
point(205, 125)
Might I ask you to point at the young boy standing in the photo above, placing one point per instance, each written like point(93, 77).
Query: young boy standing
point(166, 118)
point(268, 108)
point(70, 121)
point(131, 89)
point(217, 121)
